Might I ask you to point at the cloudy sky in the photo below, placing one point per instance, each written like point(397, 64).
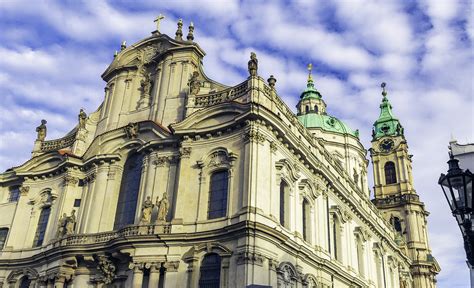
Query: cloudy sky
point(53, 52)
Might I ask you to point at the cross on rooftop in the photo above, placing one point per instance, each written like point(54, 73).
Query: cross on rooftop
point(157, 21)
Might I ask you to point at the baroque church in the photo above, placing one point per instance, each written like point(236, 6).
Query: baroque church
point(177, 180)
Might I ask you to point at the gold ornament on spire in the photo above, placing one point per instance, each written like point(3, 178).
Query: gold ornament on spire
point(310, 69)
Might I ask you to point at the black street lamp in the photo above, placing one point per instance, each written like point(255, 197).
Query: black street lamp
point(457, 187)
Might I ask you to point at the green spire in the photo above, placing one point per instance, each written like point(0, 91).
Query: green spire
point(386, 124)
point(310, 91)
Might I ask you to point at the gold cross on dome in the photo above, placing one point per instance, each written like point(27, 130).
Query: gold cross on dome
point(310, 68)
point(157, 21)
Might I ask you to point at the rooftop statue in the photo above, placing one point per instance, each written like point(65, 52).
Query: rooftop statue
point(253, 64)
point(41, 130)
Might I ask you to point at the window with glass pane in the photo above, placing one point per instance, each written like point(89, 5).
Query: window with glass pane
point(397, 224)
point(390, 175)
point(14, 194)
point(3, 237)
point(42, 225)
point(127, 202)
point(284, 204)
point(218, 194)
point(306, 221)
point(210, 272)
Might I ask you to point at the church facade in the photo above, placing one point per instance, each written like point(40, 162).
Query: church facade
point(177, 180)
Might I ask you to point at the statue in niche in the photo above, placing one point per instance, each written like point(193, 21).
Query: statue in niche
point(61, 226)
point(147, 208)
point(71, 223)
point(356, 176)
point(253, 64)
point(41, 130)
point(194, 83)
point(82, 119)
point(163, 207)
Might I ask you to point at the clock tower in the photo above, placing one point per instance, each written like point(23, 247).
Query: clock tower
point(395, 195)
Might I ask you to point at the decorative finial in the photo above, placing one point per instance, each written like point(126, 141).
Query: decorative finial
point(253, 64)
point(124, 45)
point(115, 53)
point(157, 21)
point(179, 32)
point(384, 92)
point(271, 81)
point(190, 36)
point(310, 69)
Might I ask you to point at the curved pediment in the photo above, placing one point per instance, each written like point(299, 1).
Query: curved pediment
point(41, 164)
point(145, 52)
point(211, 118)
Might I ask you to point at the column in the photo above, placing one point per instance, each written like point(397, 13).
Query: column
point(98, 197)
point(154, 275)
point(137, 274)
point(59, 281)
point(171, 275)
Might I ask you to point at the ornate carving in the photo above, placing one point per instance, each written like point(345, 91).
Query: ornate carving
point(273, 146)
point(255, 136)
point(132, 130)
point(24, 190)
point(107, 267)
point(147, 208)
point(171, 266)
point(161, 161)
point(253, 64)
point(185, 152)
point(70, 180)
point(41, 130)
point(194, 83)
point(249, 258)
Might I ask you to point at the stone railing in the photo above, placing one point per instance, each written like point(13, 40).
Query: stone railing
point(397, 199)
point(60, 143)
point(96, 238)
point(221, 96)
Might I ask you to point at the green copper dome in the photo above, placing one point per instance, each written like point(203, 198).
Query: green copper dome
point(386, 124)
point(327, 123)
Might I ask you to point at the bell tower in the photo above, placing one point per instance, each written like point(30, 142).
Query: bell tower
point(395, 195)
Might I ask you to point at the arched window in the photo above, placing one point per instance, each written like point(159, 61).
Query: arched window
point(307, 108)
point(3, 237)
point(42, 225)
point(315, 108)
point(25, 282)
point(127, 202)
point(210, 272)
point(218, 194)
point(397, 224)
point(284, 204)
point(390, 175)
point(306, 221)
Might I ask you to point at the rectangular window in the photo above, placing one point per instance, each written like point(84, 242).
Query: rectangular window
point(42, 225)
point(218, 195)
point(14, 194)
point(3, 237)
point(77, 202)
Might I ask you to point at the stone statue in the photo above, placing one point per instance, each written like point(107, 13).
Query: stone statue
point(163, 207)
point(41, 130)
point(71, 223)
point(147, 208)
point(82, 119)
point(61, 226)
point(356, 176)
point(131, 130)
point(194, 83)
point(253, 64)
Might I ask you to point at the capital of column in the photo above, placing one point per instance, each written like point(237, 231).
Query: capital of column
point(137, 267)
point(153, 266)
point(171, 266)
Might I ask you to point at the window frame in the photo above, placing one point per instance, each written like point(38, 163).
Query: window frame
point(224, 209)
point(212, 267)
point(390, 173)
point(2, 245)
point(42, 226)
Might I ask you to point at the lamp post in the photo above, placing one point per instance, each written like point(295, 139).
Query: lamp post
point(457, 188)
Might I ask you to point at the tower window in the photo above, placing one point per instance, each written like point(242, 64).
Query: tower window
point(127, 202)
point(397, 224)
point(390, 173)
point(42, 225)
point(316, 108)
point(218, 194)
point(210, 272)
point(284, 204)
point(307, 108)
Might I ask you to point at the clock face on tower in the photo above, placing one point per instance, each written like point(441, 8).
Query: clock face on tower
point(386, 145)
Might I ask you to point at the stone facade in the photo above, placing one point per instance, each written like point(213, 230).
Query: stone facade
point(124, 200)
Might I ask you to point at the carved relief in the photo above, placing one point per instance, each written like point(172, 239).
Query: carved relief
point(24, 190)
point(185, 152)
point(255, 136)
point(70, 180)
point(249, 258)
point(107, 267)
point(194, 83)
point(132, 130)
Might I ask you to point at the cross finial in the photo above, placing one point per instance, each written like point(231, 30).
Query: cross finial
point(310, 69)
point(384, 92)
point(157, 21)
